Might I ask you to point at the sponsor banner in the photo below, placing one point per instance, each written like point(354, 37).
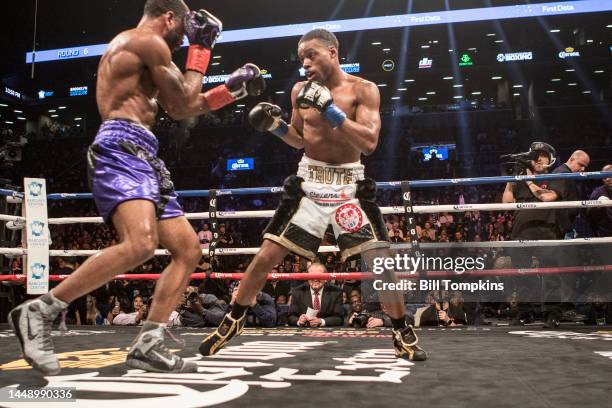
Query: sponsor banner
point(37, 235)
point(515, 56)
point(569, 52)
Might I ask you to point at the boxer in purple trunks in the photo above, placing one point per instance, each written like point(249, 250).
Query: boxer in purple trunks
point(131, 185)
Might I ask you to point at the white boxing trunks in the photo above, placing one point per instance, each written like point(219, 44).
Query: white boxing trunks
point(323, 194)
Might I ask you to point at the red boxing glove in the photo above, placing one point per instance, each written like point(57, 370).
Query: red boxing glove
point(198, 58)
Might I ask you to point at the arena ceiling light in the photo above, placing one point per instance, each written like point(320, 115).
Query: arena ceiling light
point(496, 77)
point(386, 49)
point(52, 111)
point(241, 105)
point(216, 57)
point(402, 89)
point(3, 105)
point(376, 43)
point(77, 119)
point(570, 70)
point(472, 49)
point(54, 116)
point(457, 86)
point(457, 97)
point(408, 80)
point(517, 86)
point(589, 41)
point(279, 92)
point(447, 78)
point(17, 111)
point(599, 71)
point(61, 107)
point(395, 97)
point(555, 80)
point(381, 85)
point(550, 92)
point(477, 93)
point(8, 122)
point(425, 46)
point(516, 94)
point(555, 30)
point(422, 99)
point(609, 26)
point(430, 93)
point(20, 118)
point(572, 84)
point(499, 41)
point(586, 92)
point(451, 50)
point(491, 35)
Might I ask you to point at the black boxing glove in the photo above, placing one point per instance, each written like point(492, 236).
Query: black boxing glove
point(266, 117)
point(315, 95)
point(245, 81)
point(202, 30)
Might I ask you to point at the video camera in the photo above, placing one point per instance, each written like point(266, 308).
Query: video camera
point(517, 164)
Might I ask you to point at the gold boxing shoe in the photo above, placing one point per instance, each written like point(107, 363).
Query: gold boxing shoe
point(405, 344)
point(228, 328)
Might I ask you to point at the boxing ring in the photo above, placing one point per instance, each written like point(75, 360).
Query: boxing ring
point(513, 366)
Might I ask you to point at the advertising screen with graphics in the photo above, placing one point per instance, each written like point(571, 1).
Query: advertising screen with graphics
point(439, 152)
point(241, 164)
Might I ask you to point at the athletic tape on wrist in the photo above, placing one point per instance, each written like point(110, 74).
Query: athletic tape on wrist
point(334, 115)
point(281, 130)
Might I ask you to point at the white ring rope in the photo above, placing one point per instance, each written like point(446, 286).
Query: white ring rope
point(423, 209)
point(326, 249)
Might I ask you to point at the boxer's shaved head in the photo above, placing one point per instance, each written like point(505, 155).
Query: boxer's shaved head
point(156, 8)
point(326, 37)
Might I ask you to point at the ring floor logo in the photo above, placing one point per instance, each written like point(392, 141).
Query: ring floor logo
point(227, 376)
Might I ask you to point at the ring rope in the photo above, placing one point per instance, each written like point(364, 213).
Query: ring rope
point(352, 275)
point(326, 249)
point(423, 209)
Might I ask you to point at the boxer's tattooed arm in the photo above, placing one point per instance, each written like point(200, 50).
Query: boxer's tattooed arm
point(180, 95)
point(362, 133)
point(295, 136)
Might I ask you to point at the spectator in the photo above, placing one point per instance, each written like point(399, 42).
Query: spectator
point(428, 234)
point(601, 217)
point(205, 236)
point(262, 311)
point(324, 302)
point(131, 316)
point(566, 191)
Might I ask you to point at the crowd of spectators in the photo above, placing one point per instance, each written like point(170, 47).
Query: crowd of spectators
point(197, 160)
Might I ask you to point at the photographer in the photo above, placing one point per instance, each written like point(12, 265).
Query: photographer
point(541, 223)
point(200, 310)
point(358, 318)
point(262, 312)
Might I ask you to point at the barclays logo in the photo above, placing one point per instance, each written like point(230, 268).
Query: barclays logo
point(35, 189)
point(37, 228)
point(38, 270)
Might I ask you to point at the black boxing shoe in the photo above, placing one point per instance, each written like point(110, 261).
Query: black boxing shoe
point(405, 344)
point(228, 328)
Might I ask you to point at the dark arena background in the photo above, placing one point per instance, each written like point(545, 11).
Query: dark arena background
point(471, 93)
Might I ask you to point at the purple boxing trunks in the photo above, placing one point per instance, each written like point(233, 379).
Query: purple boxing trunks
point(123, 165)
